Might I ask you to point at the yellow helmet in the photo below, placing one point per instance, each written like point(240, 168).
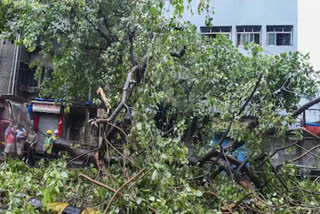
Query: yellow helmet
point(49, 131)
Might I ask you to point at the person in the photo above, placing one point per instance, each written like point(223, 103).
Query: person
point(7, 131)
point(10, 138)
point(48, 144)
point(32, 141)
point(55, 138)
point(56, 133)
point(21, 137)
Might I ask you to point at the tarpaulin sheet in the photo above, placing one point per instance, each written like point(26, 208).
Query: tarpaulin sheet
point(313, 127)
point(19, 114)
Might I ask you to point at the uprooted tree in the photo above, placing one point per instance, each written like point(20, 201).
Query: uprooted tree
point(169, 91)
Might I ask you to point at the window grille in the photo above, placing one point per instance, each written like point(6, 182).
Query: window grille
point(279, 35)
point(212, 32)
point(248, 33)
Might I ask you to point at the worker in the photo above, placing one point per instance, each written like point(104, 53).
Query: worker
point(10, 138)
point(48, 144)
point(56, 133)
point(55, 138)
point(32, 141)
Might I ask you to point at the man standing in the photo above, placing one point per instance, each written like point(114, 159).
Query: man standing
point(48, 144)
point(21, 136)
point(55, 138)
point(32, 141)
point(10, 137)
point(56, 135)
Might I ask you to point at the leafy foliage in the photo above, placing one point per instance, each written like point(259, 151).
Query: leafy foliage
point(175, 104)
point(162, 188)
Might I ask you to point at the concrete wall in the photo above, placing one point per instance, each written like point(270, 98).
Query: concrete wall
point(311, 160)
point(7, 53)
point(10, 58)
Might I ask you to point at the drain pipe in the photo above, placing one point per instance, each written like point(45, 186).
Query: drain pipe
point(15, 67)
point(12, 70)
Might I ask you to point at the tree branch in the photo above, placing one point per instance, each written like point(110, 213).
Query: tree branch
point(279, 178)
point(284, 85)
point(104, 99)
point(96, 182)
point(207, 157)
point(120, 188)
point(305, 107)
point(252, 93)
point(179, 54)
point(79, 156)
point(225, 160)
point(301, 156)
point(278, 150)
point(123, 100)
point(132, 57)
point(107, 37)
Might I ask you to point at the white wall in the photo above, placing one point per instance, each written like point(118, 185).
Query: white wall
point(309, 41)
point(309, 30)
point(250, 12)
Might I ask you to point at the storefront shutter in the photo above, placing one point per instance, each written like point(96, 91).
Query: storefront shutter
point(46, 121)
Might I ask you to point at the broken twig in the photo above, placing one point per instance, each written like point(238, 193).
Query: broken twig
point(120, 188)
point(97, 182)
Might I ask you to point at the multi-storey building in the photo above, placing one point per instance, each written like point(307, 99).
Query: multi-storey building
point(16, 76)
point(277, 25)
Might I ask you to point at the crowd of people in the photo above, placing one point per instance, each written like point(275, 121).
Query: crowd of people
point(23, 144)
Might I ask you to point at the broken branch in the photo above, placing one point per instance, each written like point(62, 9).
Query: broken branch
point(123, 100)
point(301, 156)
point(132, 57)
point(306, 106)
point(209, 155)
point(104, 99)
point(79, 156)
point(117, 192)
point(96, 182)
point(252, 93)
point(284, 85)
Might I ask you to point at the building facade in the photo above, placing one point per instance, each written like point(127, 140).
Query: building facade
point(277, 25)
point(271, 23)
point(72, 126)
point(17, 78)
point(8, 56)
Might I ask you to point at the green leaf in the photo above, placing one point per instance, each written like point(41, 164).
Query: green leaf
point(154, 175)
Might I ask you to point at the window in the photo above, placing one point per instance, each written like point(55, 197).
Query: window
point(248, 33)
point(279, 35)
point(26, 79)
point(212, 32)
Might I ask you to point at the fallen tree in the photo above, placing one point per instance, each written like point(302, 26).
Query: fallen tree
point(168, 91)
